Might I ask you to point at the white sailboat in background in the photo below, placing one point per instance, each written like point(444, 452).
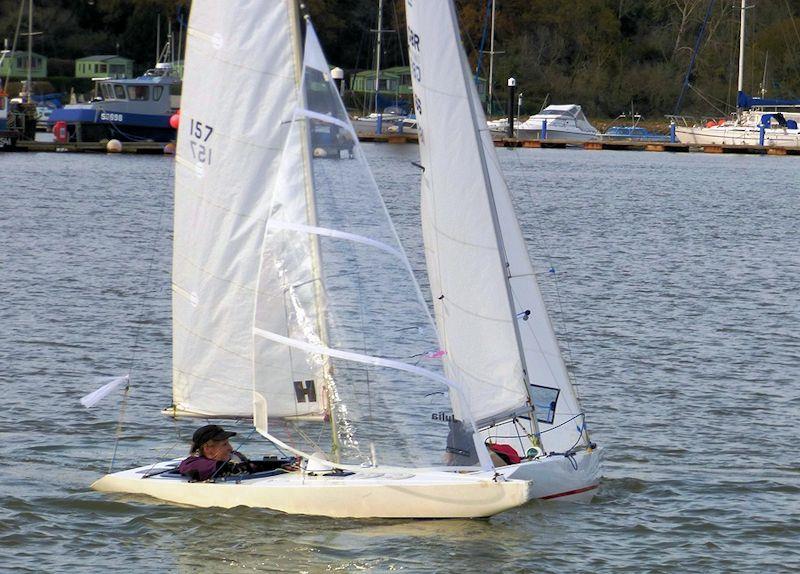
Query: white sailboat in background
point(290, 285)
point(749, 125)
point(490, 313)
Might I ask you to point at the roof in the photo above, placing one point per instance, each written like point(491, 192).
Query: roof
point(103, 57)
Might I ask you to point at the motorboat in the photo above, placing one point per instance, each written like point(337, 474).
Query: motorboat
point(558, 122)
point(407, 125)
point(131, 109)
point(377, 122)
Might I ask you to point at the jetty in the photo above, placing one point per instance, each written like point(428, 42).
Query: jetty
point(155, 148)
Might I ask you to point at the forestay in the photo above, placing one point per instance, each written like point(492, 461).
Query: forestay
point(489, 310)
point(353, 321)
point(241, 81)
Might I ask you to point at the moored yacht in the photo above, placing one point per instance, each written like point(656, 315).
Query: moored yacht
point(757, 121)
point(558, 122)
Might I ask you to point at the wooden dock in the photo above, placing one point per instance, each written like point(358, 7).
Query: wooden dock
point(89, 147)
point(155, 148)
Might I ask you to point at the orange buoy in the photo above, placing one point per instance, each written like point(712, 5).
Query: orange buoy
point(175, 120)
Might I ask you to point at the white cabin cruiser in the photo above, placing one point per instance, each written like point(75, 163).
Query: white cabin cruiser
point(558, 122)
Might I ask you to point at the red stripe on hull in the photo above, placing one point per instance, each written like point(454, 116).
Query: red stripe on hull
point(569, 492)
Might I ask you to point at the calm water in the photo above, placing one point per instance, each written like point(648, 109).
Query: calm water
point(677, 289)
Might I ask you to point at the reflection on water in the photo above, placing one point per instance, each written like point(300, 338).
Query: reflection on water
point(676, 283)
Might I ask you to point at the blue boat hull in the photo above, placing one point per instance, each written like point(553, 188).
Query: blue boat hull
point(92, 125)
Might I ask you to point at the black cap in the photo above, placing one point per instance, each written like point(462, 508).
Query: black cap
point(209, 432)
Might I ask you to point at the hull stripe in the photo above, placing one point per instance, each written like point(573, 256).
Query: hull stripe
point(569, 492)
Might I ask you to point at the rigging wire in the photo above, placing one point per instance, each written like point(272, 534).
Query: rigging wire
point(139, 322)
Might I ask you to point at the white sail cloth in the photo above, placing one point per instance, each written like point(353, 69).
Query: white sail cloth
point(240, 88)
point(489, 310)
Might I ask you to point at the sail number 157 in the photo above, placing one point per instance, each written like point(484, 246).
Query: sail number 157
point(200, 145)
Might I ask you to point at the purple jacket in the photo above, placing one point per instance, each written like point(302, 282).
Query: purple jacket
point(199, 467)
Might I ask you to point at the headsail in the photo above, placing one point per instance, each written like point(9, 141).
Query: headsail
point(489, 310)
point(240, 83)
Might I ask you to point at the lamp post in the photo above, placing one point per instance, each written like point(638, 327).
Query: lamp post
point(512, 84)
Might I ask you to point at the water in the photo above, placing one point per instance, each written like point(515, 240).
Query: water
point(676, 286)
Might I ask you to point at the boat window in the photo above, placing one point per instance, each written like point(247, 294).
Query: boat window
point(119, 92)
point(545, 400)
point(108, 93)
point(157, 91)
point(138, 93)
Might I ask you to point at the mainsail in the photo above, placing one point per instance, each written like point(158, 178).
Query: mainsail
point(489, 310)
point(241, 81)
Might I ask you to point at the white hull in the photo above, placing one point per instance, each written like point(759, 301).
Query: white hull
point(573, 479)
point(393, 494)
point(556, 135)
point(737, 136)
point(369, 125)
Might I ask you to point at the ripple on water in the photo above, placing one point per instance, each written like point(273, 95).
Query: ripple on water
point(675, 287)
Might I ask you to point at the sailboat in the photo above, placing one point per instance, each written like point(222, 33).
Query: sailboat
point(752, 124)
point(494, 328)
point(292, 296)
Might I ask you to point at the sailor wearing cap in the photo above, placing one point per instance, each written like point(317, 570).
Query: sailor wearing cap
point(212, 455)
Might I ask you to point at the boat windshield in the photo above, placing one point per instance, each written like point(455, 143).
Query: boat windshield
point(138, 93)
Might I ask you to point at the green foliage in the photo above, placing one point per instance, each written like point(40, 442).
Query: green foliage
point(602, 54)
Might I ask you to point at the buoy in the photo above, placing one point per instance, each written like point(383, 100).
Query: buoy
point(114, 146)
point(320, 152)
point(60, 132)
point(174, 121)
point(169, 149)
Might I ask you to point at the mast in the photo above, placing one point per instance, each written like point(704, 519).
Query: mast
point(491, 63)
point(30, 51)
point(158, 37)
point(500, 246)
point(740, 87)
point(378, 53)
point(311, 211)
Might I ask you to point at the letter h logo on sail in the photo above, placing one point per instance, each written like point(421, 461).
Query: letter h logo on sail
point(305, 391)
